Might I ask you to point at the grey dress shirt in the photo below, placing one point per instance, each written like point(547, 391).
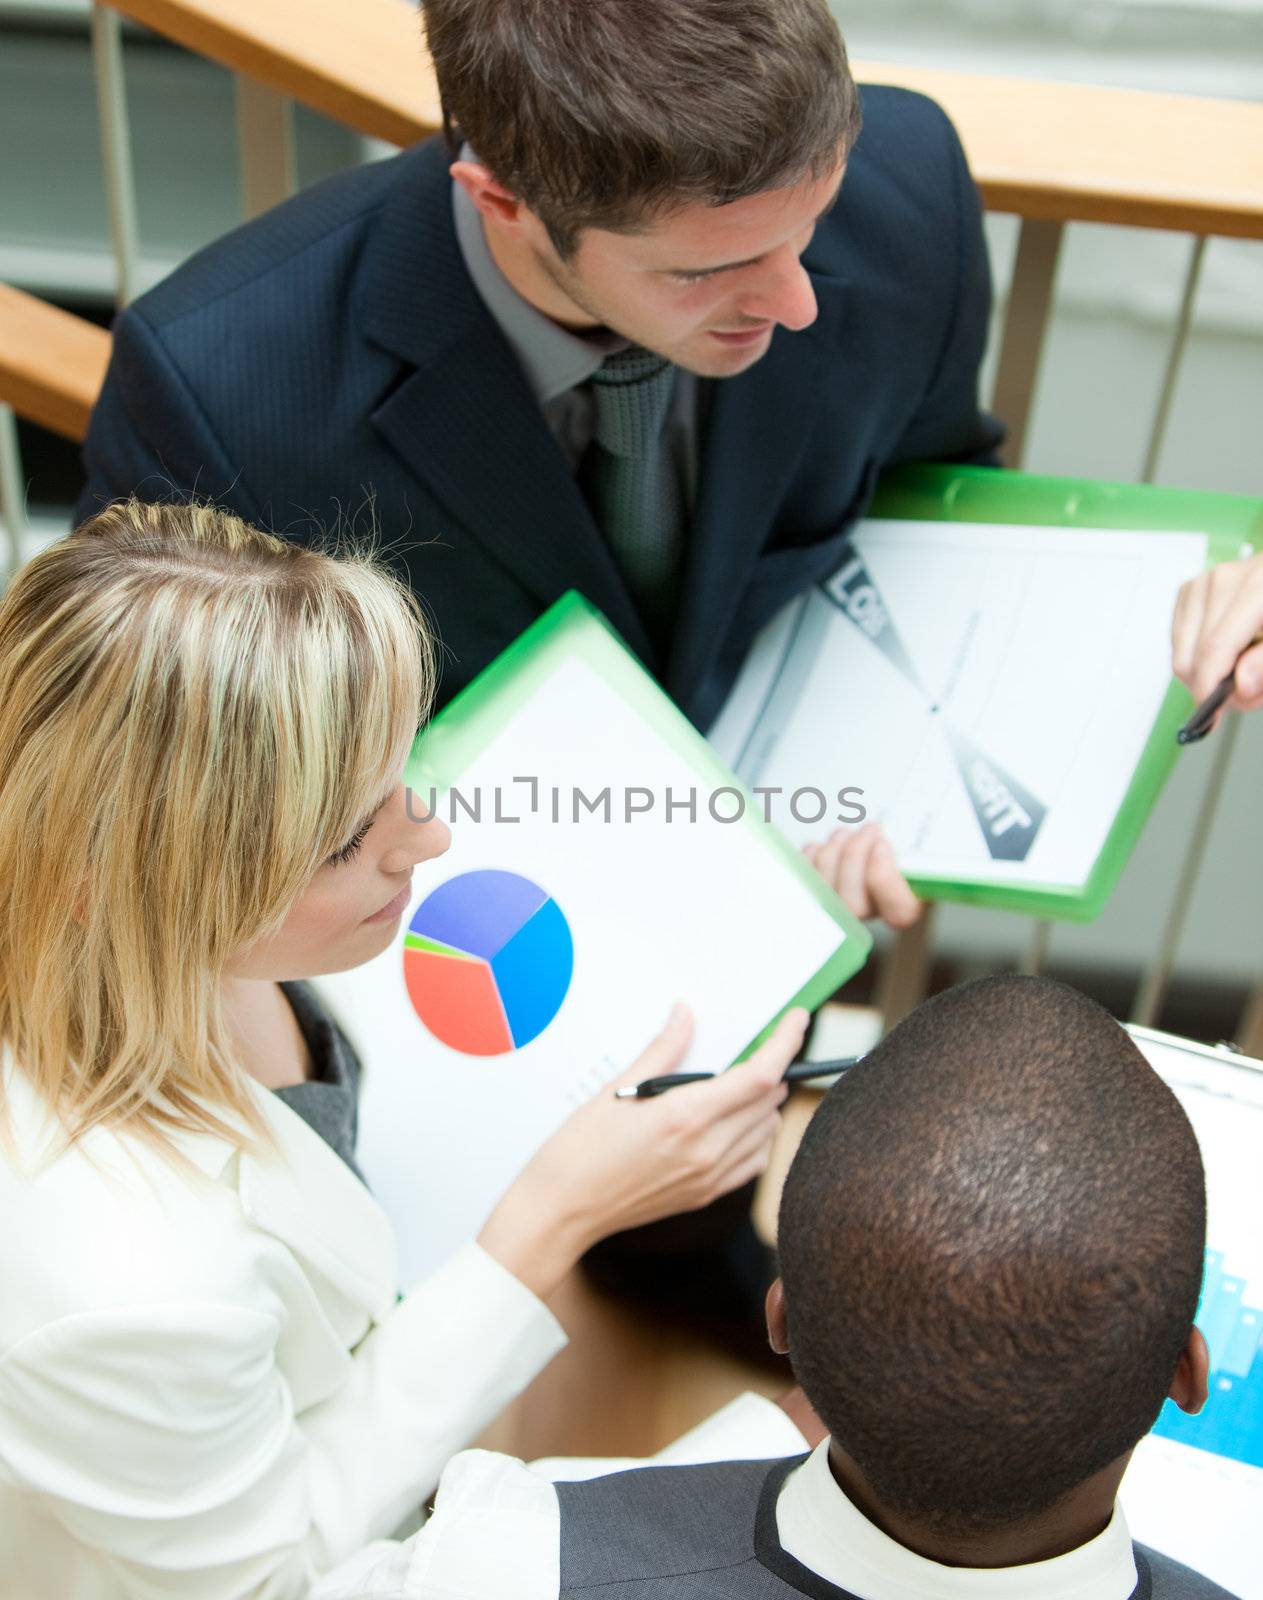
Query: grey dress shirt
point(559, 364)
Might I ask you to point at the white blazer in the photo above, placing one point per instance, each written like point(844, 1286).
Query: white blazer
point(207, 1388)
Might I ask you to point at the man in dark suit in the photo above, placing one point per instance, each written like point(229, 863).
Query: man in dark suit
point(648, 325)
point(426, 342)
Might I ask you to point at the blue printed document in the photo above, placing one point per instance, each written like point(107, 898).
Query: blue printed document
point(1195, 1486)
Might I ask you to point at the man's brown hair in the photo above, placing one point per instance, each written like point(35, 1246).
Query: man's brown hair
point(600, 113)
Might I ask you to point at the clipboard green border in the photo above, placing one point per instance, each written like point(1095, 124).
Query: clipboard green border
point(573, 629)
point(1233, 525)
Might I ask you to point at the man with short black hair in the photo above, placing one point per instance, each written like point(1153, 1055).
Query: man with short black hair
point(992, 1244)
point(1004, 1208)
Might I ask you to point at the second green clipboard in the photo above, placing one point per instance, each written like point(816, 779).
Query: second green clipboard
point(1233, 525)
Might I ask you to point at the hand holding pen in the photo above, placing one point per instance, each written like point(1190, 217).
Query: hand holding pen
point(798, 1072)
point(607, 1169)
point(1217, 642)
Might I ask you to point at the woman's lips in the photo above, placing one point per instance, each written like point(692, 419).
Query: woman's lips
point(394, 908)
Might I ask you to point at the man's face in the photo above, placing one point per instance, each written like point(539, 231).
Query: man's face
point(705, 286)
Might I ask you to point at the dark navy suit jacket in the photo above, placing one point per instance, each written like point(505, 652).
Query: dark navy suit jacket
point(331, 363)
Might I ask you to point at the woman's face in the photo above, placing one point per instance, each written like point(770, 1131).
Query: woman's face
point(350, 910)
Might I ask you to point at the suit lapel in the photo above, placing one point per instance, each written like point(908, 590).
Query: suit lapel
point(308, 1198)
point(464, 421)
point(300, 1192)
point(754, 439)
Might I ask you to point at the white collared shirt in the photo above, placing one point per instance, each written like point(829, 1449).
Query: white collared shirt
point(820, 1527)
point(496, 1531)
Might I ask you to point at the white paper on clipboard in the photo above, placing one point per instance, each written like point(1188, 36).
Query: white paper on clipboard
point(988, 688)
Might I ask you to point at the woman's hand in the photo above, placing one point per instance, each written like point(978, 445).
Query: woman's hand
point(616, 1164)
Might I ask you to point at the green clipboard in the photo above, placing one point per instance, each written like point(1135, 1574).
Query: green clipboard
point(1233, 525)
point(574, 629)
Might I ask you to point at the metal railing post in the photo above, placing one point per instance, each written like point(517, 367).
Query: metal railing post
point(1153, 987)
point(1032, 963)
point(906, 969)
point(265, 141)
point(1025, 327)
point(1175, 359)
point(1249, 1035)
point(116, 149)
point(12, 493)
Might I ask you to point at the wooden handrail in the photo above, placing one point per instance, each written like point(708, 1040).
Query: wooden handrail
point(361, 62)
point(1060, 152)
point(1068, 152)
point(52, 364)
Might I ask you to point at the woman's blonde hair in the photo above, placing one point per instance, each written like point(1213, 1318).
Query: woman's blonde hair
point(194, 716)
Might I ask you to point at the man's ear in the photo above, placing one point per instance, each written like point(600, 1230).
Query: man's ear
point(777, 1322)
point(494, 202)
point(1191, 1382)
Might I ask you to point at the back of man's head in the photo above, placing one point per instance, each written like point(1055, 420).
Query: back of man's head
point(600, 113)
point(991, 1243)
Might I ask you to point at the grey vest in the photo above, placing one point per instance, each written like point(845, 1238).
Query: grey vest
point(709, 1533)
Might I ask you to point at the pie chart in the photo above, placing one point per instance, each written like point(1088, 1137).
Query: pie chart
point(487, 961)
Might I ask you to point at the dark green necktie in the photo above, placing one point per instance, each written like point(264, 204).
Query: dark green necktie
point(631, 480)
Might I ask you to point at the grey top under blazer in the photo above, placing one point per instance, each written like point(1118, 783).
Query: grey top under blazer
point(331, 363)
point(328, 1100)
point(709, 1533)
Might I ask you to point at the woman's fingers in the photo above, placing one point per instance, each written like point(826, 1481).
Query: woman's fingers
point(665, 1054)
point(764, 1069)
point(727, 1092)
point(730, 1115)
point(616, 1164)
point(744, 1159)
point(756, 1141)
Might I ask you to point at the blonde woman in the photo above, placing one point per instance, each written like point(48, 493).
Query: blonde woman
point(207, 1387)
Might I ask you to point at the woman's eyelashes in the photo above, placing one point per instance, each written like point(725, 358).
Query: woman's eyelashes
point(350, 848)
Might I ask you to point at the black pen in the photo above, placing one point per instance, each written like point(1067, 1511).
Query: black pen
point(798, 1072)
point(1203, 719)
